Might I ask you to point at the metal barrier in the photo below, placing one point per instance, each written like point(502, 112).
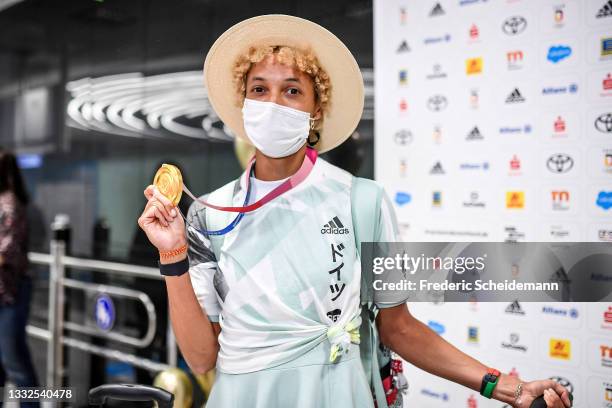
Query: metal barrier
point(54, 335)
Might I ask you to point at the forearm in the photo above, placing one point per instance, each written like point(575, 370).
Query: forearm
point(9, 246)
point(194, 332)
point(421, 346)
point(13, 232)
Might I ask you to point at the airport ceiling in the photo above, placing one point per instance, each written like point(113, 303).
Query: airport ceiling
point(105, 37)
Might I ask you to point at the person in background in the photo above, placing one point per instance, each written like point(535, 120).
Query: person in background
point(15, 283)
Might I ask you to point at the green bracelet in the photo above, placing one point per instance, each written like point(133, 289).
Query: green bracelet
point(488, 390)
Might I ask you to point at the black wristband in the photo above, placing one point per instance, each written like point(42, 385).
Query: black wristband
point(489, 381)
point(487, 378)
point(174, 269)
point(483, 384)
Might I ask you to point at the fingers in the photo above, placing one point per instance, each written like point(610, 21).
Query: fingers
point(552, 399)
point(161, 217)
point(148, 192)
point(158, 206)
point(153, 202)
point(562, 391)
point(168, 206)
point(152, 192)
point(151, 212)
point(565, 397)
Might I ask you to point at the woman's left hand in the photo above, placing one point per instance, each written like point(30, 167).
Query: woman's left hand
point(555, 395)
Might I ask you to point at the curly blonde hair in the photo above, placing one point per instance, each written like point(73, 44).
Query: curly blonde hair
point(303, 59)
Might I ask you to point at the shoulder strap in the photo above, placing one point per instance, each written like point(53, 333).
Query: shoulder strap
point(215, 219)
point(366, 198)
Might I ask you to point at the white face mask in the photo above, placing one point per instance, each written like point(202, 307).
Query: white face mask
point(275, 130)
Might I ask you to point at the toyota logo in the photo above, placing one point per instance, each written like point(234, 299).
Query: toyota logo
point(514, 25)
point(560, 163)
point(437, 103)
point(604, 123)
point(403, 137)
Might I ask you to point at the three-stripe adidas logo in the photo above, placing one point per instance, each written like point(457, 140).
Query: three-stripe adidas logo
point(437, 169)
point(605, 11)
point(515, 97)
point(515, 308)
point(403, 47)
point(334, 226)
point(474, 134)
point(437, 11)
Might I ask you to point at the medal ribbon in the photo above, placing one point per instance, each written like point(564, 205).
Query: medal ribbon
point(291, 182)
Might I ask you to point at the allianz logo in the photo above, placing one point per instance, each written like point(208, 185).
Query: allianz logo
point(573, 312)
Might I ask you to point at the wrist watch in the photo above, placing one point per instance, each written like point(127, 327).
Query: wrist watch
point(489, 381)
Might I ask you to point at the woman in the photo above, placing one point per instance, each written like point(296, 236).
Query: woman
point(15, 284)
point(276, 310)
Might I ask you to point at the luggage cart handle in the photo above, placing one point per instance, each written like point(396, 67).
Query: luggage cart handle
point(540, 403)
point(130, 392)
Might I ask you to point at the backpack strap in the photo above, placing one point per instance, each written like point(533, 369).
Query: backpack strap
point(215, 219)
point(366, 199)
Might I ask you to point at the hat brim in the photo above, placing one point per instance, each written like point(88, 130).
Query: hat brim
point(347, 93)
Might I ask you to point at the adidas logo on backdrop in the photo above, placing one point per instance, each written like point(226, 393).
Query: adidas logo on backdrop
point(334, 226)
point(474, 134)
point(437, 10)
point(515, 308)
point(515, 97)
point(605, 10)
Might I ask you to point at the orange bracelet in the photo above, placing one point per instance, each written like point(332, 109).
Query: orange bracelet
point(174, 252)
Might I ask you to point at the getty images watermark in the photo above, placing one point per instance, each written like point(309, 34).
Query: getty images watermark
point(443, 271)
point(459, 265)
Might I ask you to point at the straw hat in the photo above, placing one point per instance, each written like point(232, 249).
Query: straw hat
point(347, 95)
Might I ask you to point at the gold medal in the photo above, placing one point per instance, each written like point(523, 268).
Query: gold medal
point(169, 182)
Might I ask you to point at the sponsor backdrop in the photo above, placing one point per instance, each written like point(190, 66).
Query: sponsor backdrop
point(494, 123)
